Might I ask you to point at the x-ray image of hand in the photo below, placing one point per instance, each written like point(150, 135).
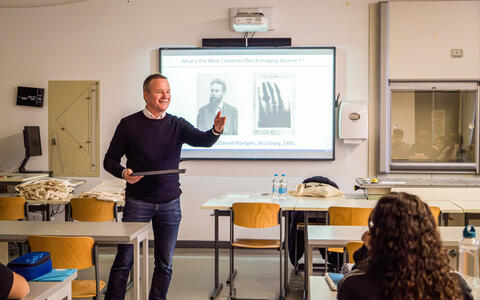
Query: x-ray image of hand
point(272, 110)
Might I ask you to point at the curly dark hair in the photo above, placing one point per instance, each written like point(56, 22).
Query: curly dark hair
point(405, 248)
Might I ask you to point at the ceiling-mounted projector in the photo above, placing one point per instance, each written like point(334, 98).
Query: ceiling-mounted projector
point(250, 20)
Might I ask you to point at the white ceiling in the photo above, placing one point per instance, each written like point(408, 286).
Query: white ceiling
point(33, 3)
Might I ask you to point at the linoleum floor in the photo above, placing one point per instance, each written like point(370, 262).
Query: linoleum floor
point(193, 274)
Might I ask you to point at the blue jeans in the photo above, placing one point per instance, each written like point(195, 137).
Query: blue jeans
point(165, 219)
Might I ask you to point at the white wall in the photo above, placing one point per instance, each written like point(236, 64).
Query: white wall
point(421, 35)
point(116, 42)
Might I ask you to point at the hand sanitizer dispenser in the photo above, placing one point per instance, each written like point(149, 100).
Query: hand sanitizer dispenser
point(353, 121)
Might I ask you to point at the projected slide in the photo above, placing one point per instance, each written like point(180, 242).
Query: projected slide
point(279, 102)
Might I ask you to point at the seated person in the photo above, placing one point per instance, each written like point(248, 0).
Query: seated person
point(12, 285)
point(438, 146)
point(423, 145)
point(404, 257)
point(451, 151)
point(400, 150)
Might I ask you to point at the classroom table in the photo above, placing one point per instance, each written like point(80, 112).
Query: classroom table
point(320, 289)
point(221, 207)
point(107, 233)
point(321, 236)
point(309, 205)
point(45, 206)
point(51, 290)
point(468, 207)
point(222, 204)
point(315, 204)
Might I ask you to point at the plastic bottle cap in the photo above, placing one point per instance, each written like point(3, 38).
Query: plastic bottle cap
point(276, 174)
point(469, 233)
point(283, 174)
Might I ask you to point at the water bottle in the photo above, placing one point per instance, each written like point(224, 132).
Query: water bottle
point(275, 186)
point(468, 252)
point(282, 191)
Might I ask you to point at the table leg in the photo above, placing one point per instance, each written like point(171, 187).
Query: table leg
point(306, 258)
point(445, 217)
point(217, 286)
point(67, 212)
point(136, 271)
point(286, 254)
point(47, 212)
point(145, 265)
point(309, 267)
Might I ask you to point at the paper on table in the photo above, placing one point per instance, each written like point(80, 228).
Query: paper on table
point(333, 279)
point(392, 182)
point(56, 275)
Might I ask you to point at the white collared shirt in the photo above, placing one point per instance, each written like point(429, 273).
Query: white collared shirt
point(220, 107)
point(149, 115)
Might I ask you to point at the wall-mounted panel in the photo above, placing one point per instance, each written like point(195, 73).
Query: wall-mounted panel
point(73, 128)
point(422, 35)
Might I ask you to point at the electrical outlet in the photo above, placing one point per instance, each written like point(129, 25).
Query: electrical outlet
point(456, 52)
point(268, 12)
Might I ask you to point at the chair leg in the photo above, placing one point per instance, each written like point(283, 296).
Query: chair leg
point(115, 212)
point(281, 256)
point(337, 268)
point(326, 260)
point(232, 289)
point(97, 275)
point(231, 255)
point(232, 276)
point(25, 210)
point(295, 254)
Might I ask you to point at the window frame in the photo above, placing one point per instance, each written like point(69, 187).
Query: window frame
point(389, 166)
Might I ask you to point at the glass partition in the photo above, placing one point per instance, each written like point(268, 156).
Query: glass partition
point(433, 127)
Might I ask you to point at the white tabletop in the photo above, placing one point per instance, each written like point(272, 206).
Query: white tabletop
point(445, 206)
point(338, 236)
point(226, 201)
point(20, 177)
point(121, 232)
point(468, 206)
point(319, 289)
point(323, 204)
point(40, 290)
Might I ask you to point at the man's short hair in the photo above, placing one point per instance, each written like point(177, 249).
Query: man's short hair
point(146, 82)
point(220, 82)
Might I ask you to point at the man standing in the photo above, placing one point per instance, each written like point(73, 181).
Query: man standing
point(207, 112)
point(152, 140)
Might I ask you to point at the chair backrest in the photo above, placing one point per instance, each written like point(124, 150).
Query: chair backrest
point(92, 210)
point(351, 248)
point(66, 252)
point(256, 215)
point(12, 208)
point(435, 212)
point(353, 216)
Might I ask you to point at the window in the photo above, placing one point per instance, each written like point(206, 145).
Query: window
point(430, 127)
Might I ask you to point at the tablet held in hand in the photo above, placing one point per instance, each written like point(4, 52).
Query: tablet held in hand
point(159, 172)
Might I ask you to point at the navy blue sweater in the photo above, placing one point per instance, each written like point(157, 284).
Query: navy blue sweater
point(151, 145)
